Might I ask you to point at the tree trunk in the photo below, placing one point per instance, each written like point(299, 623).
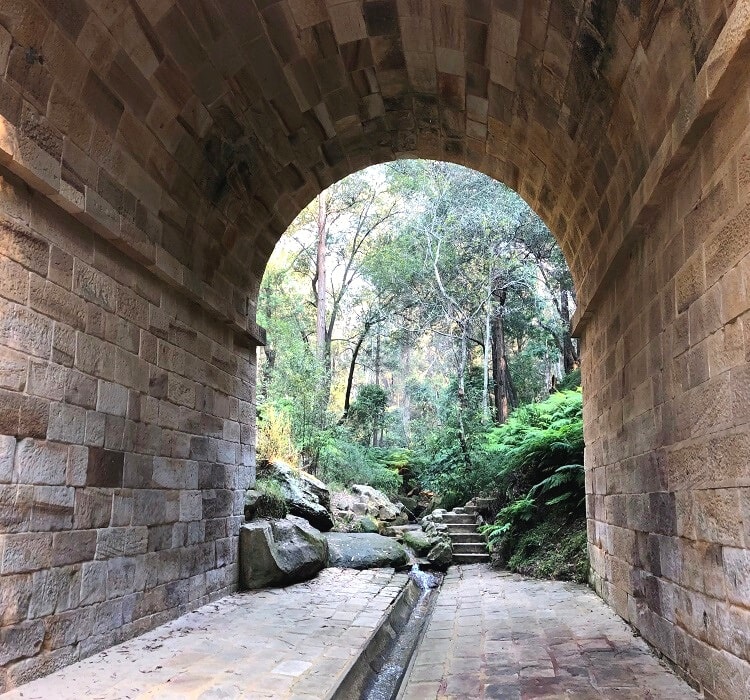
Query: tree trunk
point(462, 394)
point(320, 326)
point(350, 377)
point(570, 356)
point(486, 356)
point(377, 358)
point(500, 373)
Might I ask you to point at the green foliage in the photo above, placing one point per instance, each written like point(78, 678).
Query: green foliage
point(570, 381)
point(271, 503)
point(552, 549)
point(367, 413)
point(535, 462)
point(275, 435)
point(422, 257)
point(344, 461)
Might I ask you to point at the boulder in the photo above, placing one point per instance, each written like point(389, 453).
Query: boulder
point(366, 523)
point(410, 504)
point(364, 550)
point(378, 505)
point(306, 496)
point(280, 552)
point(418, 541)
point(441, 554)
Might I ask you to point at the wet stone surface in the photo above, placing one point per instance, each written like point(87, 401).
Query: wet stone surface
point(501, 636)
point(290, 643)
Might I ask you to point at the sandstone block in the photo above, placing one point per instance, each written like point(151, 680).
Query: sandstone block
point(26, 552)
point(191, 505)
point(122, 507)
point(7, 454)
point(112, 398)
point(131, 371)
point(73, 547)
point(105, 467)
point(25, 330)
point(80, 389)
point(94, 286)
point(38, 462)
point(63, 344)
point(737, 575)
point(149, 507)
point(121, 541)
point(121, 577)
point(52, 508)
point(94, 357)
point(55, 590)
point(25, 247)
point(14, 280)
point(15, 597)
point(57, 303)
point(95, 426)
point(13, 369)
point(93, 582)
point(67, 423)
point(21, 640)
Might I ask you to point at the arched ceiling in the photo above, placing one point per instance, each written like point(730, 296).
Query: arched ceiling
point(200, 128)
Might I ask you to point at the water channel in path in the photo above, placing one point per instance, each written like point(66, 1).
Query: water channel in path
point(386, 681)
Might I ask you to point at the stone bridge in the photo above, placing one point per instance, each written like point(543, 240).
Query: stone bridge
point(153, 151)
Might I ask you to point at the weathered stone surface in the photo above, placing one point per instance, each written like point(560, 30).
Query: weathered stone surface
point(355, 550)
point(379, 506)
point(305, 495)
point(280, 552)
point(366, 523)
point(418, 541)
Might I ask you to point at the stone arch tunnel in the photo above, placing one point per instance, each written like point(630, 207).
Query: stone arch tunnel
point(153, 151)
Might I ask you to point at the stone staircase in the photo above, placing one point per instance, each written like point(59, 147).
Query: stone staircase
point(468, 545)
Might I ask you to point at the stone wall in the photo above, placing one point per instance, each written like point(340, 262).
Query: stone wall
point(667, 417)
point(126, 442)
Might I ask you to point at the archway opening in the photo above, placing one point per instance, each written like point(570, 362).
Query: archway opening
point(418, 317)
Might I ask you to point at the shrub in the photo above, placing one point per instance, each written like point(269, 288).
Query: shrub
point(343, 461)
point(535, 462)
point(275, 435)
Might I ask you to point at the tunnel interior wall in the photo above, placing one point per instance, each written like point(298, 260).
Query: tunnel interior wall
point(126, 443)
point(667, 411)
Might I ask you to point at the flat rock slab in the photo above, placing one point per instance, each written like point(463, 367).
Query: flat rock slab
point(364, 550)
point(295, 642)
point(498, 635)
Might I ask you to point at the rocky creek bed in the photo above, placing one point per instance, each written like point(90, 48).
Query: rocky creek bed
point(293, 530)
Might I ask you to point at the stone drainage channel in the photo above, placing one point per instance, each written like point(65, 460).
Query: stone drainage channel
point(378, 672)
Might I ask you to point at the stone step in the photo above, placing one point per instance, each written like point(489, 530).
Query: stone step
point(461, 528)
point(467, 538)
point(469, 548)
point(451, 518)
point(470, 558)
point(465, 510)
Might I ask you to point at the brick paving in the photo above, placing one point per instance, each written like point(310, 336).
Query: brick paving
point(291, 643)
point(491, 635)
point(501, 636)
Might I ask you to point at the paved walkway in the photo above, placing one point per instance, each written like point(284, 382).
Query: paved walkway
point(498, 635)
point(292, 643)
point(491, 635)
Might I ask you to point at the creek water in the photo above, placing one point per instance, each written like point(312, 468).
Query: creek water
point(385, 683)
